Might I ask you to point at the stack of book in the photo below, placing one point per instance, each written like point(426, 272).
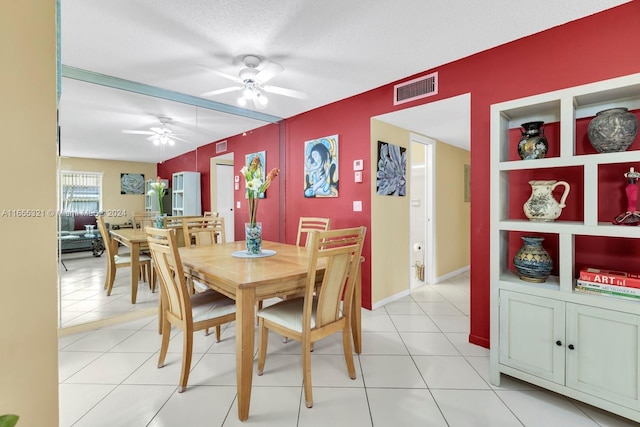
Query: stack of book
point(608, 282)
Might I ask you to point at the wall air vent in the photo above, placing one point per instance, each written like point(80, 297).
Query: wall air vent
point(415, 89)
point(221, 146)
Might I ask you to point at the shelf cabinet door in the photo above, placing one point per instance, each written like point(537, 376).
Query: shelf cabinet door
point(605, 357)
point(530, 329)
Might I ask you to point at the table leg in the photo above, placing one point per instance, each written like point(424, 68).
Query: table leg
point(356, 314)
point(135, 270)
point(245, 323)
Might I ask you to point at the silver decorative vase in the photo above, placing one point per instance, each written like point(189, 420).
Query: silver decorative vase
point(612, 130)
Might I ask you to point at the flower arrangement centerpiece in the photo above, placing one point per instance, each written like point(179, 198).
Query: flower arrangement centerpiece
point(256, 184)
point(158, 189)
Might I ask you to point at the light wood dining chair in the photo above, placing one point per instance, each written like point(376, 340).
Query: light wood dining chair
point(116, 261)
point(205, 230)
point(143, 219)
point(323, 312)
point(187, 312)
point(308, 224)
point(211, 213)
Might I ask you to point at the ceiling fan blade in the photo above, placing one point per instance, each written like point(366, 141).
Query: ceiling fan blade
point(269, 72)
point(153, 137)
point(221, 91)
point(179, 139)
point(223, 74)
point(286, 92)
point(139, 132)
point(159, 130)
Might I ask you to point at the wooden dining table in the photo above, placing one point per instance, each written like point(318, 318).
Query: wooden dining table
point(135, 239)
point(248, 280)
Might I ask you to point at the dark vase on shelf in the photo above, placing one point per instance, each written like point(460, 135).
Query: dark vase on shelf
point(532, 261)
point(533, 144)
point(612, 130)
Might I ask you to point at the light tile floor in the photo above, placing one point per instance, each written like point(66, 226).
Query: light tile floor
point(416, 369)
point(83, 298)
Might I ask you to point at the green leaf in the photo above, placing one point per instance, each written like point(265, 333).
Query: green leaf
point(8, 420)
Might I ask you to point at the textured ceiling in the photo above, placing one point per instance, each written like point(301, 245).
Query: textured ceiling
point(329, 49)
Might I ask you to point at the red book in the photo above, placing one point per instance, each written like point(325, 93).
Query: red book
point(610, 277)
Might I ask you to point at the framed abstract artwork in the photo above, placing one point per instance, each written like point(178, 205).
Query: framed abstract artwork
point(262, 162)
point(391, 176)
point(131, 183)
point(321, 167)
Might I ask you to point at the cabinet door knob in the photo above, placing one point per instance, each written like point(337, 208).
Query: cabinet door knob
point(558, 343)
point(571, 347)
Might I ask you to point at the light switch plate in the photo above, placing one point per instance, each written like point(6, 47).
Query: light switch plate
point(358, 176)
point(357, 206)
point(237, 205)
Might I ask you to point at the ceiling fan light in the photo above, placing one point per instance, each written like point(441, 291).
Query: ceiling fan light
point(156, 142)
point(242, 101)
point(262, 100)
point(171, 141)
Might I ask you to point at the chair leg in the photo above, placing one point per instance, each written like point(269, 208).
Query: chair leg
point(218, 333)
point(164, 346)
point(187, 348)
point(160, 314)
point(306, 371)
point(263, 340)
point(111, 277)
point(348, 353)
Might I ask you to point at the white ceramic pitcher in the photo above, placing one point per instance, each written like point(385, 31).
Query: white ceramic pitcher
point(541, 205)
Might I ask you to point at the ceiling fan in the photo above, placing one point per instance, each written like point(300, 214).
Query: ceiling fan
point(251, 81)
point(159, 135)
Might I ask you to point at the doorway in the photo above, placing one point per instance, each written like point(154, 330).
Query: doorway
point(222, 188)
point(421, 223)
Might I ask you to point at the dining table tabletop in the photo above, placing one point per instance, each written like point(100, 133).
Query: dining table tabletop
point(135, 239)
point(280, 270)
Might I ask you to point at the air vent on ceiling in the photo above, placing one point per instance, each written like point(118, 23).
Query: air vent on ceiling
point(415, 89)
point(221, 146)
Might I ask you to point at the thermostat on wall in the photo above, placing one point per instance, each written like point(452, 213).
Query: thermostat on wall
point(358, 165)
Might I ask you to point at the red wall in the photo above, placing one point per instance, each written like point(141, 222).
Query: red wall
point(598, 47)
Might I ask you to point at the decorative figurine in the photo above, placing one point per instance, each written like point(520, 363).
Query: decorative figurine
point(631, 216)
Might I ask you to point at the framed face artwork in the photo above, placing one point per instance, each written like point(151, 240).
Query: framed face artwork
point(321, 167)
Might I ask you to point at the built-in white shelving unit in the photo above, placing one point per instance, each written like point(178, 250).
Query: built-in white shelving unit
point(186, 200)
point(584, 346)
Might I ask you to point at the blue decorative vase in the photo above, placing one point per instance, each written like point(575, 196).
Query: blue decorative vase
point(253, 238)
point(158, 221)
point(532, 261)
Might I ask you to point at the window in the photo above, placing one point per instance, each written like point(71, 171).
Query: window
point(81, 192)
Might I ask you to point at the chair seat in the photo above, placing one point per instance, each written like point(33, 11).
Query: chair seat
point(199, 286)
point(288, 313)
point(126, 259)
point(211, 304)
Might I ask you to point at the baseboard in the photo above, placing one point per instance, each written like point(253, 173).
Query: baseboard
point(452, 274)
point(392, 298)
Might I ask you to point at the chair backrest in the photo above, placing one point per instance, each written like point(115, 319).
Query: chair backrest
point(143, 219)
point(308, 224)
point(109, 243)
point(209, 213)
point(339, 251)
point(206, 230)
point(175, 294)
